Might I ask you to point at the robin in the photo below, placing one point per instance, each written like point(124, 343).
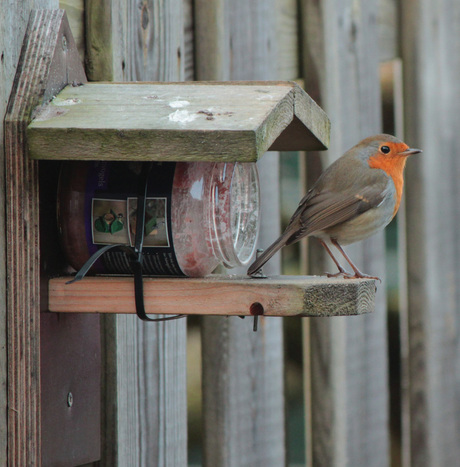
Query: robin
point(355, 197)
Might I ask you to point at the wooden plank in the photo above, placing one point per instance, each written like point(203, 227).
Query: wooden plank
point(288, 45)
point(13, 23)
point(70, 347)
point(217, 295)
point(349, 407)
point(187, 121)
point(294, 137)
point(188, 53)
point(47, 60)
point(389, 29)
point(75, 10)
point(144, 393)
point(430, 323)
point(98, 40)
point(287, 39)
point(243, 398)
point(71, 389)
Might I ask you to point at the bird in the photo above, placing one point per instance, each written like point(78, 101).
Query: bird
point(354, 198)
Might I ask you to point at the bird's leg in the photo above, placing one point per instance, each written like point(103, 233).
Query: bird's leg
point(342, 271)
point(358, 273)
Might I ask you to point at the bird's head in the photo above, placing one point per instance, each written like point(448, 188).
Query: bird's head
point(387, 153)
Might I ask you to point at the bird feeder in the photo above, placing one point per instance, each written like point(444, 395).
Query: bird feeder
point(54, 114)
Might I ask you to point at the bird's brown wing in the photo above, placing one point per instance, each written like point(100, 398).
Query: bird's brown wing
point(319, 211)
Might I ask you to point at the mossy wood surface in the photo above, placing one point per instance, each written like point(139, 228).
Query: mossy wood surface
point(206, 121)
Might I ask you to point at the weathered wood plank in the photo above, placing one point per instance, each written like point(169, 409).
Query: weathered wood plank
point(98, 40)
point(217, 295)
point(47, 60)
point(13, 23)
point(388, 21)
point(287, 39)
point(213, 121)
point(145, 414)
point(294, 137)
point(188, 53)
point(431, 319)
point(75, 10)
point(347, 356)
point(243, 398)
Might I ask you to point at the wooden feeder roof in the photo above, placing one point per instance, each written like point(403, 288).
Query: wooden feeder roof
point(193, 121)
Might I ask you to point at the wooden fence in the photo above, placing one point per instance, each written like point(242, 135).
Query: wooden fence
point(335, 47)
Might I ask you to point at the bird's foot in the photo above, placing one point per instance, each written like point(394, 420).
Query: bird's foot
point(360, 275)
point(342, 272)
point(339, 274)
point(348, 275)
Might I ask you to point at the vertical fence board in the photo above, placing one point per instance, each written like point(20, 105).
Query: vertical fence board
point(287, 39)
point(242, 370)
point(388, 29)
point(99, 58)
point(145, 364)
point(188, 53)
point(22, 401)
point(13, 22)
point(431, 345)
point(348, 358)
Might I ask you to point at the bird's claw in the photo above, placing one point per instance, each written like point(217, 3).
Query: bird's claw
point(343, 274)
point(363, 276)
point(348, 275)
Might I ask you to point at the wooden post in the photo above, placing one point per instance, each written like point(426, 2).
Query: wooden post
point(348, 358)
point(145, 388)
point(48, 60)
point(242, 370)
point(430, 330)
point(13, 23)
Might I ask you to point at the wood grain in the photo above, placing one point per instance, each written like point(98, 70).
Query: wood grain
point(98, 40)
point(188, 53)
point(287, 39)
point(430, 319)
point(389, 18)
point(13, 24)
point(348, 361)
point(144, 392)
point(75, 11)
point(217, 295)
point(47, 60)
point(243, 389)
point(187, 121)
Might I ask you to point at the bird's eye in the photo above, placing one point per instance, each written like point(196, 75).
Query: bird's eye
point(385, 149)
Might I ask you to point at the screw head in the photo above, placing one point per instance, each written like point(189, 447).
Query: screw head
point(69, 399)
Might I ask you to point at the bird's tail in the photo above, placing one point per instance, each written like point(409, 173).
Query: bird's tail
point(269, 252)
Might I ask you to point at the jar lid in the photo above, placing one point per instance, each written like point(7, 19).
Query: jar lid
point(236, 212)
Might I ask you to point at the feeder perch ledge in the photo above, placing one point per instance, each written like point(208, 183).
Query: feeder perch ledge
point(217, 295)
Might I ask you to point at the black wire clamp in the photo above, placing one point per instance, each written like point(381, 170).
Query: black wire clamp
point(135, 253)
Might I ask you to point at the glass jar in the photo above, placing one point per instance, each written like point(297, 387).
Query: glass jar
point(198, 215)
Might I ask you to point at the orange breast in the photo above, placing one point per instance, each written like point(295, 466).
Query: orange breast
point(394, 167)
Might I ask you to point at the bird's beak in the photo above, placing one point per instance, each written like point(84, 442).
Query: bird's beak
point(409, 151)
